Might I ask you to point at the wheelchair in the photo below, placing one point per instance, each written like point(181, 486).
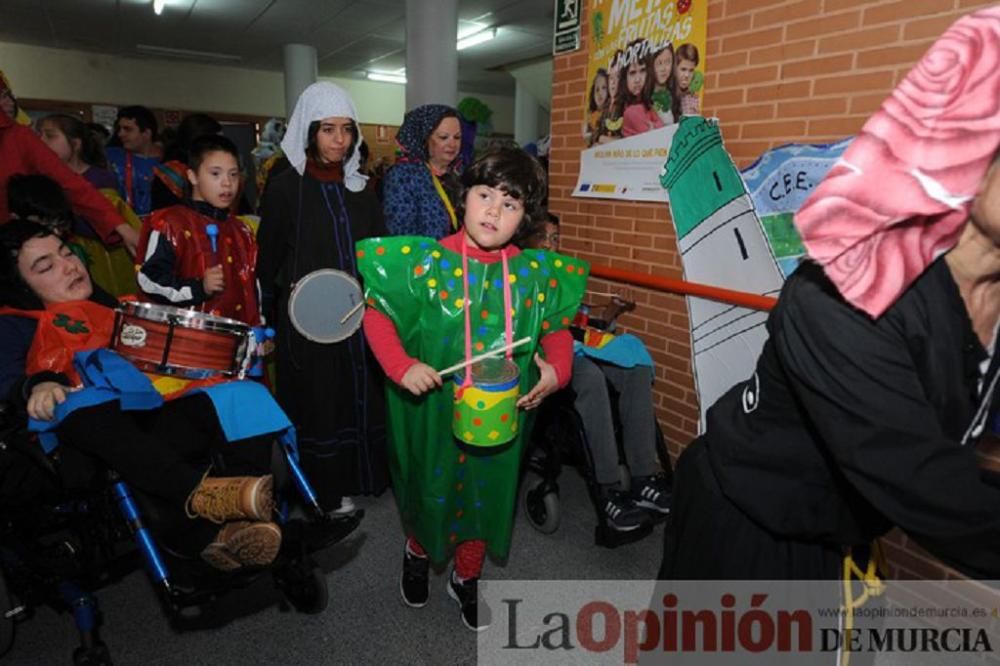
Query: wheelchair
point(559, 437)
point(69, 527)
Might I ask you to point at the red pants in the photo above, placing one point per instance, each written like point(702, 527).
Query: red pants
point(469, 556)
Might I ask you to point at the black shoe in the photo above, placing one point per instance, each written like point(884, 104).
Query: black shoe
point(651, 492)
point(621, 512)
point(413, 584)
point(475, 613)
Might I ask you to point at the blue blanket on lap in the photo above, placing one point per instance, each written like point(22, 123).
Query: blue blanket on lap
point(244, 408)
point(625, 351)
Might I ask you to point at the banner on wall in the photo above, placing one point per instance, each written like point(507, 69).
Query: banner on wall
point(779, 182)
point(645, 70)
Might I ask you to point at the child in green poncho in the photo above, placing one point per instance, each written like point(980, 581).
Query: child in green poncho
point(433, 304)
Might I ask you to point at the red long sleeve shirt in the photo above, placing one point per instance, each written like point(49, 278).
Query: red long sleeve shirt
point(23, 152)
point(388, 348)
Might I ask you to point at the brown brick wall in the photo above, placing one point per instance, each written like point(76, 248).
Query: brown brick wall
point(776, 71)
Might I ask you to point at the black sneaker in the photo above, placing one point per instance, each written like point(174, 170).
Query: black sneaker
point(651, 492)
point(621, 512)
point(413, 584)
point(475, 613)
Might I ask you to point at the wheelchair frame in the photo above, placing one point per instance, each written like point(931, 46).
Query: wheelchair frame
point(295, 572)
point(557, 422)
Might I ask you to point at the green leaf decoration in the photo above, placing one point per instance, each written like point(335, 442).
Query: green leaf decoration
point(474, 110)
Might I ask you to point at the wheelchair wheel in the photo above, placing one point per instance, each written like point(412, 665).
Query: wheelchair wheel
point(6, 623)
point(304, 586)
point(541, 504)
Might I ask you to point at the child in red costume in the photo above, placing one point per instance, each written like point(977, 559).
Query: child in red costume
point(197, 253)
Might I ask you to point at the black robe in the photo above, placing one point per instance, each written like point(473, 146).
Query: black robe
point(848, 427)
point(333, 393)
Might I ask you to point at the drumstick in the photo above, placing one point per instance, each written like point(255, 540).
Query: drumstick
point(213, 233)
point(212, 230)
point(610, 294)
point(615, 297)
point(505, 348)
point(353, 310)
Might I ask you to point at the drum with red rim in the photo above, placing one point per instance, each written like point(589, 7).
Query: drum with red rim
point(173, 341)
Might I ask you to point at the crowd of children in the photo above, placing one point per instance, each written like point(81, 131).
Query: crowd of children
point(871, 386)
point(431, 302)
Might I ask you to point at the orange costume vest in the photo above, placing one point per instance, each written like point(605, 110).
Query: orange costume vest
point(67, 328)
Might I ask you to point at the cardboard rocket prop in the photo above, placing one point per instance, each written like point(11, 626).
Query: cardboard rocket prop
point(722, 243)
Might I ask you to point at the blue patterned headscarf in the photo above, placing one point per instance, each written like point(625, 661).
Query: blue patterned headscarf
point(417, 126)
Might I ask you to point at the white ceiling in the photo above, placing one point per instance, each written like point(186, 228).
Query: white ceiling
point(351, 36)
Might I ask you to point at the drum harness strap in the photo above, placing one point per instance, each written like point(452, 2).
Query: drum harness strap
point(872, 586)
point(508, 313)
point(444, 199)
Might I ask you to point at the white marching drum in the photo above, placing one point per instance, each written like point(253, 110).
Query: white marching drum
point(326, 306)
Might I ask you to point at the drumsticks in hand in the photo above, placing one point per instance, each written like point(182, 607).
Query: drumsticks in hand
point(352, 311)
point(213, 234)
point(213, 281)
point(474, 359)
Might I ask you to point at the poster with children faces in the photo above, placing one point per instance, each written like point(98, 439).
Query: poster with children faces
point(645, 70)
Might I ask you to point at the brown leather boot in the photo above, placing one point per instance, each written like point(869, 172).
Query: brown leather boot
point(223, 498)
point(243, 544)
point(219, 557)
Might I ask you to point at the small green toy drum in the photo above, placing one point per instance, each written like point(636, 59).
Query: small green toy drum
point(486, 413)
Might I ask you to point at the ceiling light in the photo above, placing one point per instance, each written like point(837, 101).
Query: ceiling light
point(470, 28)
point(477, 38)
point(387, 77)
point(150, 49)
point(158, 6)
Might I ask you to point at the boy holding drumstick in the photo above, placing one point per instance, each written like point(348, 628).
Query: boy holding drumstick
point(197, 253)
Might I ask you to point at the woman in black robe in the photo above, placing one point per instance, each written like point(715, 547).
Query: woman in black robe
point(314, 209)
point(881, 369)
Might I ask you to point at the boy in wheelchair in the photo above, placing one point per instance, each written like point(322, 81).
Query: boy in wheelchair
point(204, 466)
point(165, 451)
point(627, 368)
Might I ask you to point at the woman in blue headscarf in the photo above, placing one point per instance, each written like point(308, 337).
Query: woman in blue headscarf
point(417, 188)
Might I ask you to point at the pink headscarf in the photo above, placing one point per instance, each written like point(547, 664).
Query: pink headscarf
point(901, 193)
